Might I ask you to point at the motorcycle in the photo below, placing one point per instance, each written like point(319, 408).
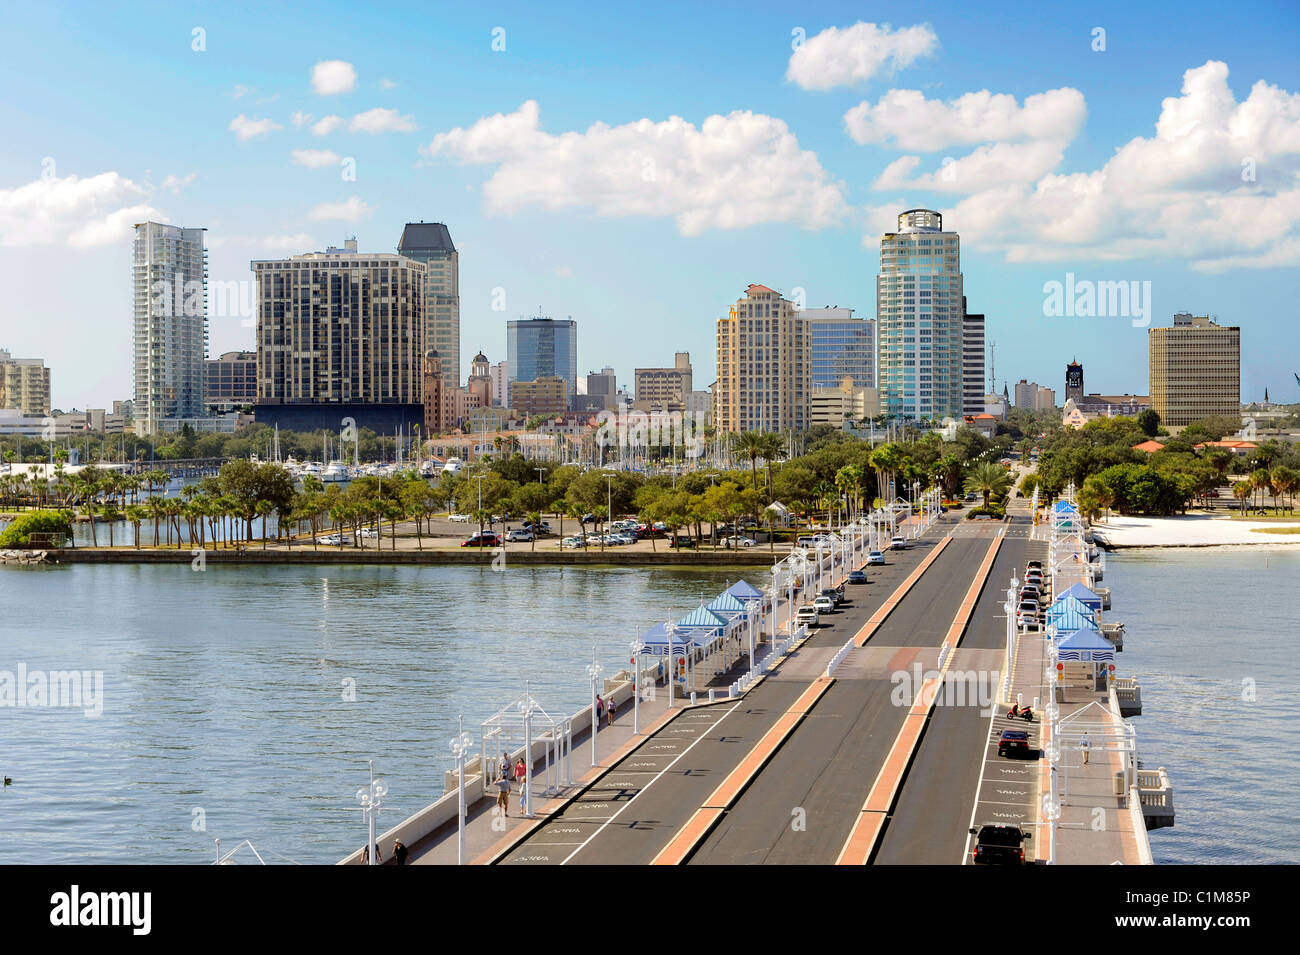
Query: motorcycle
point(1026, 714)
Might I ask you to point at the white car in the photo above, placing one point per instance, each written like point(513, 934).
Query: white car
point(571, 542)
point(807, 616)
point(738, 542)
point(875, 557)
point(460, 518)
point(824, 605)
point(331, 539)
point(517, 535)
point(898, 542)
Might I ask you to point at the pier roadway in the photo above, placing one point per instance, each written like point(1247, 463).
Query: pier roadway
point(930, 821)
point(631, 813)
point(803, 806)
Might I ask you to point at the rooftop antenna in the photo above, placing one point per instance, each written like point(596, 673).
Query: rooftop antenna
point(992, 372)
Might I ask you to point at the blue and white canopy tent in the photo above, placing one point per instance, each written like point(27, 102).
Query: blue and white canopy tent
point(742, 590)
point(1084, 646)
point(1068, 613)
point(707, 629)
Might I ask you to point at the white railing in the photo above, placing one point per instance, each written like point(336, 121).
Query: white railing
point(840, 654)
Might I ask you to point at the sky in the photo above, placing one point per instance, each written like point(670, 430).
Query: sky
point(636, 169)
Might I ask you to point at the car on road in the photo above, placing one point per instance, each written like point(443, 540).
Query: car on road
point(588, 518)
point(683, 543)
point(459, 518)
point(486, 539)
point(334, 540)
point(875, 557)
point(1034, 565)
point(898, 542)
point(730, 542)
point(1013, 743)
point(369, 533)
point(824, 604)
point(570, 543)
point(519, 535)
point(998, 844)
point(541, 530)
point(807, 616)
point(857, 576)
point(1027, 613)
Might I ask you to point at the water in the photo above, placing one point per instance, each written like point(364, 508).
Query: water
point(223, 712)
point(1206, 628)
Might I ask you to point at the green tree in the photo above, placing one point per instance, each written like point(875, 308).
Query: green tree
point(1149, 422)
point(989, 479)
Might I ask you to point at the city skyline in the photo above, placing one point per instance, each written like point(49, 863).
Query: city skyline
point(840, 145)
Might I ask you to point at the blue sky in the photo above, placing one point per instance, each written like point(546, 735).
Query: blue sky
point(137, 122)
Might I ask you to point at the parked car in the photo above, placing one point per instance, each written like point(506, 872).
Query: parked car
point(683, 543)
point(834, 595)
point(998, 844)
point(730, 542)
point(875, 557)
point(1034, 565)
point(824, 605)
point(1013, 743)
point(1027, 613)
point(520, 535)
point(808, 616)
point(588, 518)
point(857, 576)
point(541, 530)
point(570, 543)
point(459, 518)
point(486, 539)
point(334, 540)
point(369, 533)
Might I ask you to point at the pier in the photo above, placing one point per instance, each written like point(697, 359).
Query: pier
point(870, 739)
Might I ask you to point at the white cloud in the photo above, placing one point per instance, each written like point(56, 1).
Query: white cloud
point(838, 57)
point(299, 118)
point(907, 120)
point(176, 183)
point(986, 167)
point(380, 120)
point(387, 84)
point(326, 125)
point(1217, 185)
point(242, 90)
point(564, 272)
point(315, 158)
point(290, 242)
point(330, 77)
point(247, 129)
point(732, 171)
point(72, 211)
point(350, 210)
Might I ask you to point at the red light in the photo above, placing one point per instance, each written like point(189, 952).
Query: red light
point(1060, 666)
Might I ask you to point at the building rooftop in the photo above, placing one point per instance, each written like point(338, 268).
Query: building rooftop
point(425, 237)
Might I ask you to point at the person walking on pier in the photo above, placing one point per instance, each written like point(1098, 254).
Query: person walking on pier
point(503, 790)
point(600, 709)
point(612, 709)
point(1085, 746)
point(399, 852)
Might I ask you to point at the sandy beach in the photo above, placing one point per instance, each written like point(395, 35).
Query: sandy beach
point(1191, 530)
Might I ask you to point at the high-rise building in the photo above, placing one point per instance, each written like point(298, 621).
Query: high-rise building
point(603, 383)
point(543, 348)
point(548, 395)
point(500, 375)
point(841, 346)
point(480, 380)
point(24, 385)
point(764, 365)
point(169, 280)
point(1032, 396)
point(664, 388)
point(1195, 369)
point(339, 337)
point(230, 382)
point(430, 243)
point(972, 361)
point(919, 312)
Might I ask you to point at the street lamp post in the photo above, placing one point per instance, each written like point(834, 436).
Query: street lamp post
point(371, 799)
point(460, 745)
point(638, 648)
point(751, 608)
point(593, 673)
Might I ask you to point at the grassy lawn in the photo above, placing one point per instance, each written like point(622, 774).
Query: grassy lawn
point(1277, 530)
point(1269, 516)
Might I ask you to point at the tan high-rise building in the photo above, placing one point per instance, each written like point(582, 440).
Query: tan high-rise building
point(1195, 370)
point(546, 396)
point(339, 334)
point(665, 388)
point(764, 365)
point(25, 385)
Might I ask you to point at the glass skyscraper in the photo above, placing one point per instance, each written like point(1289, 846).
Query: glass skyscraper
point(542, 348)
point(430, 243)
point(919, 310)
point(842, 347)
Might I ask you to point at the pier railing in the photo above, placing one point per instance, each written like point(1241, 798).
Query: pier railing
point(1156, 793)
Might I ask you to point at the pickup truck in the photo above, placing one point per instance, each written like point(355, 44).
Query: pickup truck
point(998, 844)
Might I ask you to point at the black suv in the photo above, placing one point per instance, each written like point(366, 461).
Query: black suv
point(997, 844)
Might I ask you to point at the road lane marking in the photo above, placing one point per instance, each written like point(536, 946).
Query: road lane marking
point(873, 624)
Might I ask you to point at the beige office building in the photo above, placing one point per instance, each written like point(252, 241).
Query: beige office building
point(24, 385)
point(847, 402)
point(1195, 370)
point(1032, 396)
point(764, 366)
point(665, 388)
point(545, 396)
point(336, 330)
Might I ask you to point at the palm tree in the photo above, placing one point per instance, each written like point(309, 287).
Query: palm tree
point(535, 518)
point(773, 450)
point(156, 507)
point(87, 491)
point(988, 478)
point(1259, 481)
point(751, 445)
point(264, 508)
point(136, 514)
point(1242, 490)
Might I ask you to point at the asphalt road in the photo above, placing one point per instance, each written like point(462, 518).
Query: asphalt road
point(633, 811)
point(802, 807)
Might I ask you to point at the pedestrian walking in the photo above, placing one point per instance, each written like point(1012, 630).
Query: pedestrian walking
point(503, 792)
point(365, 855)
point(600, 709)
point(399, 852)
point(612, 710)
point(1085, 745)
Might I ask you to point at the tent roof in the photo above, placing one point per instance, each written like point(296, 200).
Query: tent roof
point(1068, 602)
point(726, 603)
point(743, 590)
point(1066, 506)
point(656, 640)
point(1088, 598)
point(1085, 645)
point(702, 618)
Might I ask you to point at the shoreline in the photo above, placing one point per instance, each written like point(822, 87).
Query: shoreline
point(414, 557)
point(1190, 530)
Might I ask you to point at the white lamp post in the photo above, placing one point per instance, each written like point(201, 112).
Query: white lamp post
point(372, 800)
point(638, 647)
point(751, 607)
point(460, 745)
point(593, 673)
